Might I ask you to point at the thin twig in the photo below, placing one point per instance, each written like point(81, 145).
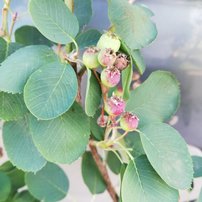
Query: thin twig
point(103, 170)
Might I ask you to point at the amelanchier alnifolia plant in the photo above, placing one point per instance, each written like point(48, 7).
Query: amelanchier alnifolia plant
point(47, 121)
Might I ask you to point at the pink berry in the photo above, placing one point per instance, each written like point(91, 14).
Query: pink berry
point(90, 57)
point(115, 106)
point(121, 61)
point(107, 57)
point(102, 121)
point(110, 77)
point(129, 121)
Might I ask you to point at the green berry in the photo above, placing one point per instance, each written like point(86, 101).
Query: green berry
point(90, 58)
point(109, 40)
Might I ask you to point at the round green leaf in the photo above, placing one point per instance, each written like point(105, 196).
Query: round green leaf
point(17, 68)
point(197, 161)
point(54, 20)
point(63, 139)
point(5, 187)
point(29, 35)
point(168, 154)
point(7, 49)
point(49, 184)
point(12, 106)
point(157, 99)
point(24, 196)
point(113, 162)
point(88, 38)
point(20, 147)
point(132, 23)
point(133, 141)
point(142, 183)
point(51, 90)
point(83, 11)
point(93, 94)
point(91, 175)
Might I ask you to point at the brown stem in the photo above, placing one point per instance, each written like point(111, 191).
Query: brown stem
point(103, 170)
point(1, 152)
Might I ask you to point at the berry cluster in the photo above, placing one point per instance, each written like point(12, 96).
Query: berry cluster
point(107, 55)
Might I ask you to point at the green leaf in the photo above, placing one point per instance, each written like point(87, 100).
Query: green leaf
point(49, 184)
point(113, 162)
point(54, 20)
point(88, 38)
point(51, 90)
point(157, 99)
point(132, 23)
point(5, 187)
point(7, 167)
point(7, 49)
point(20, 147)
point(83, 11)
point(63, 139)
point(12, 106)
point(136, 58)
point(29, 35)
point(16, 176)
point(197, 162)
point(17, 68)
point(93, 94)
point(96, 130)
point(127, 75)
point(142, 183)
point(168, 154)
point(24, 196)
point(91, 175)
point(133, 141)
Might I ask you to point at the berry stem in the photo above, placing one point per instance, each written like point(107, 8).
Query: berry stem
point(103, 170)
point(121, 137)
point(14, 18)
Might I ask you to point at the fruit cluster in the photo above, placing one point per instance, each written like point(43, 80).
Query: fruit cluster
point(107, 55)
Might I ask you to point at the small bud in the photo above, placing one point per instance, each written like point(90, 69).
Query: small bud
point(109, 40)
point(110, 77)
point(115, 106)
point(121, 61)
point(102, 121)
point(90, 57)
point(107, 57)
point(129, 121)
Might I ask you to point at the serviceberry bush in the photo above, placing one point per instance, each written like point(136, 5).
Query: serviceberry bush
point(47, 121)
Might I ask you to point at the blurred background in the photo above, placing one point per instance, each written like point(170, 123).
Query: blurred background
point(178, 48)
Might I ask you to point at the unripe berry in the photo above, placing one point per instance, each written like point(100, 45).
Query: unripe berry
point(109, 40)
point(115, 106)
point(102, 121)
point(90, 57)
point(107, 57)
point(121, 61)
point(129, 121)
point(110, 77)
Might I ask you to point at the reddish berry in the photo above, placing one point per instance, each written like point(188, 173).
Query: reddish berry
point(110, 77)
point(115, 106)
point(109, 40)
point(90, 57)
point(107, 57)
point(129, 121)
point(102, 121)
point(121, 61)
